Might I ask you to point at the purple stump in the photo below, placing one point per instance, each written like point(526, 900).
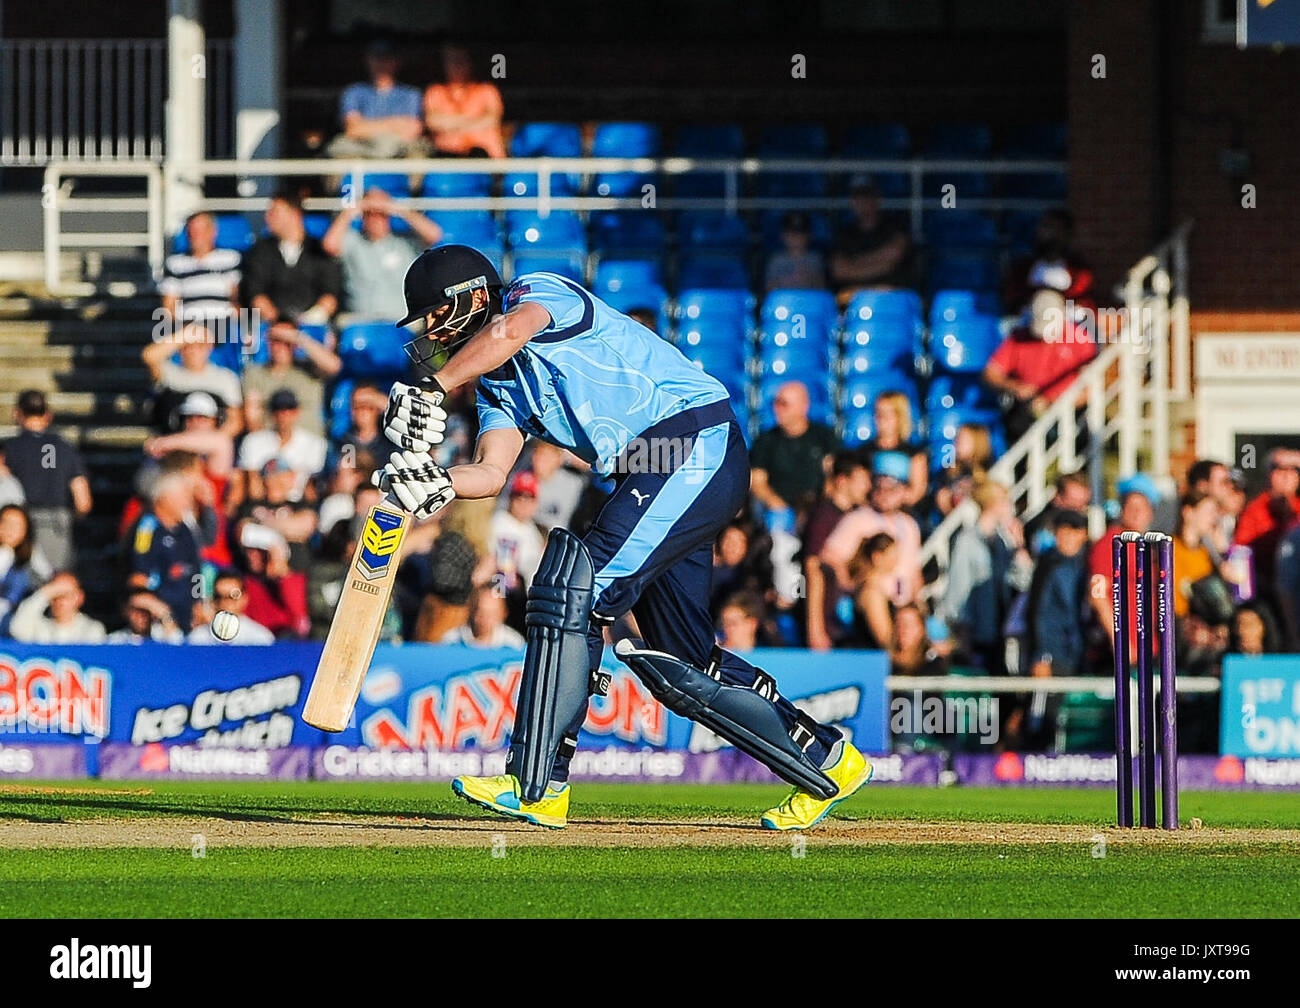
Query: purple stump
point(1123, 731)
point(1146, 727)
point(1168, 688)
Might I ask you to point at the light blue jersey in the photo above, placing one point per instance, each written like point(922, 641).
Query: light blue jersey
point(592, 380)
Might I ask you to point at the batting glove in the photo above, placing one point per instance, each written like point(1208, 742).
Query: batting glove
point(417, 482)
point(415, 420)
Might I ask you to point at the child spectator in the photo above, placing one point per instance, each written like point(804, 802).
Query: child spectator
point(381, 119)
point(796, 266)
point(1058, 597)
point(846, 488)
point(463, 116)
point(1073, 493)
point(66, 623)
point(304, 376)
point(739, 623)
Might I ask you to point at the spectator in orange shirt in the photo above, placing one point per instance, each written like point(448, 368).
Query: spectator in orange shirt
point(1197, 515)
point(1267, 518)
point(463, 116)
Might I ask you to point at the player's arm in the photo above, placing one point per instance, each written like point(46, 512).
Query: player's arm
point(494, 344)
point(494, 456)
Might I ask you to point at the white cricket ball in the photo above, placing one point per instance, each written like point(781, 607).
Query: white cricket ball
point(225, 625)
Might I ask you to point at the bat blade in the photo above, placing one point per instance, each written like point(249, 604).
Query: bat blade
point(358, 618)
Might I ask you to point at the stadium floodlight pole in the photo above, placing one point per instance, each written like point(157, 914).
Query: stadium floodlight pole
point(1123, 730)
point(1146, 756)
point(1168, 686)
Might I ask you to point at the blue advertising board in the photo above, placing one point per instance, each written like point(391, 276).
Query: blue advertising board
point(1261, 706)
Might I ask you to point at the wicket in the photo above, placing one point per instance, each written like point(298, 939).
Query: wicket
point(1146, 573)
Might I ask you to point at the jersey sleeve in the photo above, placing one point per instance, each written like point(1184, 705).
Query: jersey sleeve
point(566, 303)
point(495, 413)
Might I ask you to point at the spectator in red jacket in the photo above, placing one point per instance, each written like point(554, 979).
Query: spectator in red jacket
point(1269, 516)
point(1053, 263)
point(277, 596)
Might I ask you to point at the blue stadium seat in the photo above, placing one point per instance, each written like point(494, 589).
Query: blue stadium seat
point(884, 345)
point(699, 303)
point(1020, 227)
point(859, 427)
point(966, 185)
point(569, 263)
point(621, 184)
point(959, 141)
point(468, 227)
point(960, 229)
point(647, 296)
point(392, 183)
point(971, 270)
point(710, 140)
point(964, 346)
point(524, 184)
point(627, 231)
point(769, 226)
point(792, 316)
point(719, 271)
point(803, 362)
point(954, 305)
point(624, 140)
point(447, 185)
point(561, 230)
point(372, 349)
point(614, 276)
point(1034, 185)
point(943, 428)
point(316, 224)
point(711, 231)
point(959, 391)
point(233, 232)
point(874, 305)
point(791, 185)
point(793, 140)
point(723, 369)
point(546, 139)
point(338, 411)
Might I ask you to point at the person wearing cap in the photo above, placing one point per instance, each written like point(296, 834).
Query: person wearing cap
point(299, 450)
point(381, 118)
point(374, 258)
point(277, 594)
point(796, 266)
point(444, 610)
point(296, 362)
point(273, 507)
point(870, 250)
point(1138, 499)
point(463, 115)
point(515, 540)
point(195, 372)
point(200, 414)
point(884, 513)
point(164, 556)
point(53, 477)
point(288, 276)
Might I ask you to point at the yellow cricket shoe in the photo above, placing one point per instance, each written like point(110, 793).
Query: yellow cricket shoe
point(501, 795)
point(801, 810)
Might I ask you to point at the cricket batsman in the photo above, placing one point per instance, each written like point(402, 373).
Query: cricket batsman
point(553, 361)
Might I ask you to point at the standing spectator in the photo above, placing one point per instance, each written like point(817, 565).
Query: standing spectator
point(1139, 497)
point(1036, 363)
point(1073, 493)
point(288, 276)
point(1054, 264)
point(516, 543)
point(374, 258)
point(797, 266)
point(201, 285)
point(788, 461)
point(869, 251)
point(893, 433)
point(463, 116)
point(846, 488)
point(277, 596)
point(487, 623)
point(559, 487)
point(164, 552)
point(148, 618)
point(194, 373)
point(972, 454)
point(305, 378)
point(1267, 519)
point(53, 477)
point(228, 595)
point(66, 623)
point(989, 565)
point(298, 449)
point(22, 567)
point(380, 119)
point(739, 623)
point(884, 514)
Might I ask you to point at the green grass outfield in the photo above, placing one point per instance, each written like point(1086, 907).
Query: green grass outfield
point(1229, 869)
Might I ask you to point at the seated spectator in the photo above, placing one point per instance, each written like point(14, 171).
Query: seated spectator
point(207, 520)
point(301, 451)
point(1198, 514)
point(53, 477)
point(148, 618)
point(797, 266)
point(559, 487)
point(375, 259)
point(445, 607)
point(1053, 264)
point(870, 622)
point(194, 373)
point(1058, 598)
point(893, 418)
point(1254, 631)
point(201, 285)
point(65, 623)
point(273, 508)
point(164, 552)
point(871, 250)
point(988, 567)
point(381, 119)
point(884, 513)
point(739, 623)
point(277, 595)
point(329, 570)
point(1214, 479)
point(788, 462)
point(1267, 518)
point(463, 116)
point(1036, 363)
point(742, 562)
point(972, 454)
point(1072, 493)
point(515, 543)
point(22, 565)
point(366, 435)
point(228, 595)
point(305, 377)
point(287, 275)
point(846, 488)
point(1138, 497)
point(487, 623)
point(912, 652)
point(351, 474)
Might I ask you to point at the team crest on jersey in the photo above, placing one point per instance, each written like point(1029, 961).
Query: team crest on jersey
point(380, 538)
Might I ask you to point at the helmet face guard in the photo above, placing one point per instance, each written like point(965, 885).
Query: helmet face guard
point(433, 347)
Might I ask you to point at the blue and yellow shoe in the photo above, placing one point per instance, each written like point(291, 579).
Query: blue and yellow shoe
point(801, 810)
point(501, 795)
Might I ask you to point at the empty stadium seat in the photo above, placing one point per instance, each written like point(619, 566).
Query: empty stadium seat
point(649, 297)
point(960, 229)
point(316, 224)
point(569, 263)
point(627, 231)
point(861, 392)
point(1020, 227)
point(809, 363)
point(971, 270)
point(525, 184)
point(616, 275)
point(1036, 141)
point(948, 391)
point(560, 230)
point(468, 227)
point(372, 349)
point(952, 305)
point(789, 317)
point(546, 139)
point(720, 271)
point(706, 141)
point(446, 185)
point(793, 140)
point(393, 183)
point(882, 345)
point(959, 141)
point(881, 142)
point(624, 140)
point(711, 231)
point(964, 345)
point(693, 304)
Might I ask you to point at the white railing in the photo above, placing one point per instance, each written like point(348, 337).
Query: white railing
point(1124, 395)
point(96, 99)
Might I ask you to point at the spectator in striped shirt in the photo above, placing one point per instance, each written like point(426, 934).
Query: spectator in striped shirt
point(201, 285)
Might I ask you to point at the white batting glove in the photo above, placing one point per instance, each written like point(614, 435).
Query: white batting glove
point(417, 482)
point(415, 420)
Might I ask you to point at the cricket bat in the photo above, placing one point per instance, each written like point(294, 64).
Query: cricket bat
point(357, 619)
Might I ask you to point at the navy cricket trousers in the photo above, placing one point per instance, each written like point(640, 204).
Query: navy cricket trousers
point(677, 487)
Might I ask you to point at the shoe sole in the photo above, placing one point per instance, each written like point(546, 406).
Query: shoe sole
point(856, 787)
point(501, 810)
